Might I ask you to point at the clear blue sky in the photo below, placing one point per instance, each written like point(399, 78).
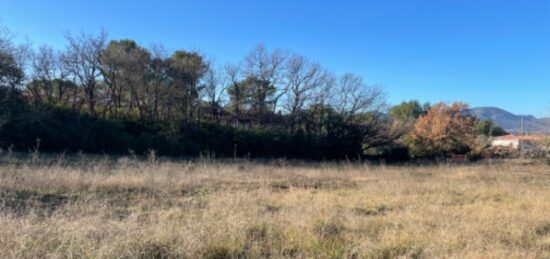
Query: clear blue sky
point(484, 52)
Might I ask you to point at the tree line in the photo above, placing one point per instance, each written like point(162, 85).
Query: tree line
point(102, 95)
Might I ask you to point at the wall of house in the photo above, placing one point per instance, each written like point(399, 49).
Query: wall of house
point(505, 143)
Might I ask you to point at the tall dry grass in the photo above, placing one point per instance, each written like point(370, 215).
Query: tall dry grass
point(127, 208)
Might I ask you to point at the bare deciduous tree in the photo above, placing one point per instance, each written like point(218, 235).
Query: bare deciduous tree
point(302, 78)
point(82, 59)
point(214, 89)
point(354, 97)
point(236, 90)
point(48, 76)
point(266, 68)
point(158, 80)
point(12, 60)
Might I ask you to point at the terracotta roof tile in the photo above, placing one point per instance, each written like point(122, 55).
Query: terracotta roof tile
point(514, 137)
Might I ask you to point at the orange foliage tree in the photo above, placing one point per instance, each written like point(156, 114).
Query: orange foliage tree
point(443, 130)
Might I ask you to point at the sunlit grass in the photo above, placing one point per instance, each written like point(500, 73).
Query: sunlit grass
point(220, 209)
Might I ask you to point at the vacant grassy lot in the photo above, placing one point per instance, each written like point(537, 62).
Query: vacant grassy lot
point(131, 209)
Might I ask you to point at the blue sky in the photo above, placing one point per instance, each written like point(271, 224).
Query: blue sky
point(484, 52)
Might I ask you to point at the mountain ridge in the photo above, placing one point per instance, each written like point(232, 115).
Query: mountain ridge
point(512, 122)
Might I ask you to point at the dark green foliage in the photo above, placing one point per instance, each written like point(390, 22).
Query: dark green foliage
point(408, 111)
point(11, 73)
point(395, 153)
point(62, 130)
point(543, 229)
point(116, 96)
point(474, 156)
point(11, 104)
point(488, 128)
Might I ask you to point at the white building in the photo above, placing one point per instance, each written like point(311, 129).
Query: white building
point(516, 142)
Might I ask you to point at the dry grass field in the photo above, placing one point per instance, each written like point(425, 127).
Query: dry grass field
point(241, 209)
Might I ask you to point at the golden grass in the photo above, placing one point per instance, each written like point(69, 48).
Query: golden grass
point(213, 209)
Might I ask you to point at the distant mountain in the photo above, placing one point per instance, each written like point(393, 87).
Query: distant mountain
point(512, 122)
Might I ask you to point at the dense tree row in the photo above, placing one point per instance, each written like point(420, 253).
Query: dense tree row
point(104, 95)
point(119, 80)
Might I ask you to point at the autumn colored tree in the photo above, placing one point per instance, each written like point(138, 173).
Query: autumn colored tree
point(443, 130)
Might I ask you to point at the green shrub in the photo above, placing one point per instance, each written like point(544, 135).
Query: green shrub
point(63, 130)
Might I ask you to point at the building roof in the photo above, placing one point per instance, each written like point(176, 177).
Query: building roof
point(524, 138)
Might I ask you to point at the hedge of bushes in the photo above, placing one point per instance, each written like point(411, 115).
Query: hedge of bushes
point(62, 130)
